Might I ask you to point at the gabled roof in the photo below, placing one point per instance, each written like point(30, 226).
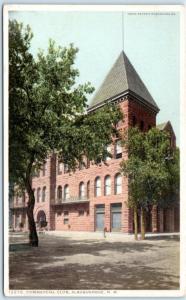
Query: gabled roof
point(166, 126)
point(121, 78)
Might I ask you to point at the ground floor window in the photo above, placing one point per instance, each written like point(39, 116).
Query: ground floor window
point(65, 221)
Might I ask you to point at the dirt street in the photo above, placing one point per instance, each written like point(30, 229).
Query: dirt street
point(67, 262)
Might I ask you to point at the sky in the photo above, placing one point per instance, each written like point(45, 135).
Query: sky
point(151, 42)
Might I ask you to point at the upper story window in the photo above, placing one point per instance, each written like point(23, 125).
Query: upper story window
point(88, 163)
point(81, 165)
point(134, 122)
point(81, 189)
point(108, 149)
point(44, 194)
point(120, 123)
point(142, 125)
point(59, 193)
point(66, 168)
point(88, 189)
point(81, 213)
point(36, 173)
point(107, 188)
point(118, 184)
point(59, 167)
point(98, 186)
point(44, 169)
point(118, 149)
point(66, 192)
point(20, 198)
point(38, 195)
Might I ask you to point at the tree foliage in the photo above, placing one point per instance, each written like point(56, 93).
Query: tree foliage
point(47, 110)
point(152, 168)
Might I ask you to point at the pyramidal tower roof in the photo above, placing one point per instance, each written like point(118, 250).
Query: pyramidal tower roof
point(122, 78)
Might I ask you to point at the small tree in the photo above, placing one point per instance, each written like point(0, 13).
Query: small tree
point(152, 169)
point(47, 113)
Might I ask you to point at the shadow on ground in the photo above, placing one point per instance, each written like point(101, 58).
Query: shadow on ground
point(19, 247)
point(64, 263)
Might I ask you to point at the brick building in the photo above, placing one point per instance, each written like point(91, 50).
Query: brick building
point(95, 196)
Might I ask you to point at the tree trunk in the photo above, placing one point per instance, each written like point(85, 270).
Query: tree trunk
point(135, 223)
point(142, 223)
point(33, 237)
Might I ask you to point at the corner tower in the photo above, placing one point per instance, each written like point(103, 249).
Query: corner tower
point(123, 85)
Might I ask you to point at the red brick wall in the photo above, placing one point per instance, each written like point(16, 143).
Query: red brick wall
point(86, 222)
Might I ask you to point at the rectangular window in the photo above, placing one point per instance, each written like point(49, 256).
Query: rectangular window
point(88, 163)
point(118, 149)
point(81, 213)
point(65, 221)
point(66, 168)
point(81, 165)
point(44, 169)
point(66, 213)
point(60, 167)
point(108, 148)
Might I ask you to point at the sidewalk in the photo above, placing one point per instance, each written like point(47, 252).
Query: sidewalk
point(108, 235)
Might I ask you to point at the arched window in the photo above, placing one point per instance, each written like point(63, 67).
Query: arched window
point(59, 193)
point(81, 189)
point(66, 192)
point(118, 184)
point(44, 194)
point(38, 195)
point(107, 187)
point(97, 186)
point(88, 189)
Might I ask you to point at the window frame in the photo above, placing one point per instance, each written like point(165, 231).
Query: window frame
point(116, 185)
point(97, 187)
point(106, 186)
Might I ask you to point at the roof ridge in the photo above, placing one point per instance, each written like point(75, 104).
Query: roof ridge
point(124, 55)
point(122, 78)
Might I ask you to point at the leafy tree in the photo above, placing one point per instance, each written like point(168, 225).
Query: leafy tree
point(152, 169)
point(47, 113)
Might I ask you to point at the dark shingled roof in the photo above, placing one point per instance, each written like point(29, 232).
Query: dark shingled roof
point(122, 77)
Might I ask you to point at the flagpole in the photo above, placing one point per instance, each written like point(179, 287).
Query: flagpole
point(123, 30)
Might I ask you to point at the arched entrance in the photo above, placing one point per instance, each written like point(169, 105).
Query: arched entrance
point(41, 219)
